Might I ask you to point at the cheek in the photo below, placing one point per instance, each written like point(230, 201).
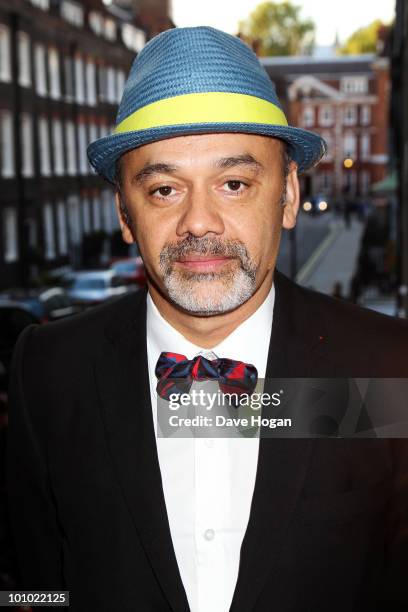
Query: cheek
point(258, 227)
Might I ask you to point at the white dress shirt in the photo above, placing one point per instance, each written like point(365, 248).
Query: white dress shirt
point(208, 483)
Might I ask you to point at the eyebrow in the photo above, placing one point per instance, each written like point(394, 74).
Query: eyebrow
point(150, 169)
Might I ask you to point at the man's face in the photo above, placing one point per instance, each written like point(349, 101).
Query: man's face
point(206, 212)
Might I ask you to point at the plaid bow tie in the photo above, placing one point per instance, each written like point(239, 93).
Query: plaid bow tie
point(176, 374)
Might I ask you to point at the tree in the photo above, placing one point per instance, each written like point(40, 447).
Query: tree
point(363, 40)
point(277, 28)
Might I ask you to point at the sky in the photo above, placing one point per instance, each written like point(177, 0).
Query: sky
point(344, 16)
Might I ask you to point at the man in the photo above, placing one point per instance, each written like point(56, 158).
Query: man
point(206, 173)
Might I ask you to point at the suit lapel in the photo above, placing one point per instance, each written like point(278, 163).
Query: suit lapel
point(122, 377)
point(296, 350)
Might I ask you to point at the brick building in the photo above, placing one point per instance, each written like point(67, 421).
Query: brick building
point(63, 65)
point(345, 99)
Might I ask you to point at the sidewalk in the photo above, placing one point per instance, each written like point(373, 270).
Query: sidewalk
point(334, 260)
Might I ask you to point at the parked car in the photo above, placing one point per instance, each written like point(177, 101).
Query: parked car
point(47, 304)
point(316, 205)
point(91, 287)
point(131, 268)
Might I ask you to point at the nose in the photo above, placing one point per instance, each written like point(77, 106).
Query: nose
point(200, 215)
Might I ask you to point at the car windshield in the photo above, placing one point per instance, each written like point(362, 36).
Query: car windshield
point(89, 283)
point(124, 266)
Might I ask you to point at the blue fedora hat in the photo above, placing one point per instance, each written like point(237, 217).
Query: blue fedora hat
point(198, 80)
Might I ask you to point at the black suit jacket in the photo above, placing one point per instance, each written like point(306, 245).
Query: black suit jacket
point(328, 528)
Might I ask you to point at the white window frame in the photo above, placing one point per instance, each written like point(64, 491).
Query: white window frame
point(10, 234)
point(79, 79)
point(5, 54)
point(24, 59)
point(350, 115)
point(49, 234)
point(58, 147)
point(40, 70)
point(44, 146)
point(365, 116)
point(82, 146)
point(54, 66)
point(27, 145)
point(71, 148)
point(7, 153)
point(308, 116)
point(349, 145)
point(365, 145)
point(90, 82)
point(326, 119)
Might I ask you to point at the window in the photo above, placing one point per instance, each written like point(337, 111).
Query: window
point(102, 91)
point(72, 12)
point(24, 59)
point(96, 22)
point(74, 220)
point(326, 115)
point(365, 116)
point(308, 118)
point(58, 147)
point(69, 79)
point(90, 83)
point(54, 66)
point(111, 85)
point(10, 234)
point(7, 144)
point(133, 38)
point(349, 145)
point(365, 146)
point(93, 135)
point(96, 212)
point(79, 80)
point(354, 84)
point(49, 240)
point(86, 215)
point(42, 4)
point(71, 148)
point(44, 142)
point(120, 84)
point(82, 145)
point(62, 229)
point(350, 115)
point(110, 30)
point(5, 54)
point(27, 147)
point(40, 73)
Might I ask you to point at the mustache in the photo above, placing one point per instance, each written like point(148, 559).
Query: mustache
point(207, 245)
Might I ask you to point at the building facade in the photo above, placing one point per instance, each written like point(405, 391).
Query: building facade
point(63, 65)
point(345, 99)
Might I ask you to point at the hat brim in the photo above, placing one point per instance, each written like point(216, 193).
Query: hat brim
point(306, 148)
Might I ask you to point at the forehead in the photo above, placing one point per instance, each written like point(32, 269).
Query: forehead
point(201, 149)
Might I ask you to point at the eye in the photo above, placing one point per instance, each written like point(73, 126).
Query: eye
point(162, 192)
point(235, 186)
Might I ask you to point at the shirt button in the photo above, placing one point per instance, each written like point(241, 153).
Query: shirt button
point(209, 534)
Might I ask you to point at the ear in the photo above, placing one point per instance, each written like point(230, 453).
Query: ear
point(291, 204)
point(123, 222)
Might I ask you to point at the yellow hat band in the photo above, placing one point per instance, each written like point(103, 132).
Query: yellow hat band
point(209, 107)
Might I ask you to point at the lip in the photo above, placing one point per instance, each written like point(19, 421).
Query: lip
point(203, 262)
